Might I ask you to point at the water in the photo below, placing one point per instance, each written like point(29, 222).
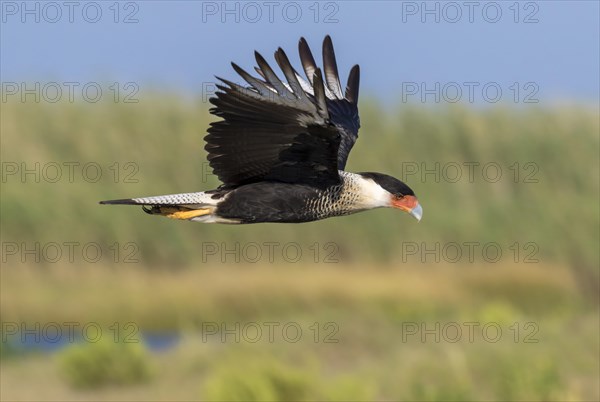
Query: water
point(25, 342)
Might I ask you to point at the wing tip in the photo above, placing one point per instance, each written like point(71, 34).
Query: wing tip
point(237, 69)
point(332, 77)
point(259, 58)
point(352, 87)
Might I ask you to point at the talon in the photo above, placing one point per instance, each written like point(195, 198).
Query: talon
point(154, 210)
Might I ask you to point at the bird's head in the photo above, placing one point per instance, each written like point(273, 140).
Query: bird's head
point(395, 194)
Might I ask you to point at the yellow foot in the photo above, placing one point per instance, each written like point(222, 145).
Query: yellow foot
point(187, 214)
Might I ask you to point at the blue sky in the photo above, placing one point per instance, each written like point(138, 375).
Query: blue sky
point(179, 45)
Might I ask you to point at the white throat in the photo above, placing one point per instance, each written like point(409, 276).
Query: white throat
point(372, 195)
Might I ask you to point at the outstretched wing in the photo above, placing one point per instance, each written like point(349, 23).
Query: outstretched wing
point(296, 132)
point(343, 108)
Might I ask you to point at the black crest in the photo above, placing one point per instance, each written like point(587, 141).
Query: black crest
point(389, 183)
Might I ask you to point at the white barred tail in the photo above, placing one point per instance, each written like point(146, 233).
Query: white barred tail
point(200, 198)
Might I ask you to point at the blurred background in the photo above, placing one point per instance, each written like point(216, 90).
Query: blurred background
point(488, 110)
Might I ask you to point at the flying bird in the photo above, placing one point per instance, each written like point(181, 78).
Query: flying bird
point(280, 149)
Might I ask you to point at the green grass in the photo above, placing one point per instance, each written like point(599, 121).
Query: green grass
point(105, 362)
point(371, 293)
point(163, 138)
point(551, 353)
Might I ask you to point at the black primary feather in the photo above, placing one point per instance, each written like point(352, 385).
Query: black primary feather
point(278, 132)
point(307, 59)
point(330, 67)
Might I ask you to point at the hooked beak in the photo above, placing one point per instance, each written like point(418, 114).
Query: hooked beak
point(410, 204)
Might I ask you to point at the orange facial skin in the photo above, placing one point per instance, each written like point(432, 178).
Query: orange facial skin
point(406, 203)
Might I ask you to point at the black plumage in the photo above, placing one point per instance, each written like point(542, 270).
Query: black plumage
point(280, 149)
point(270, 131)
